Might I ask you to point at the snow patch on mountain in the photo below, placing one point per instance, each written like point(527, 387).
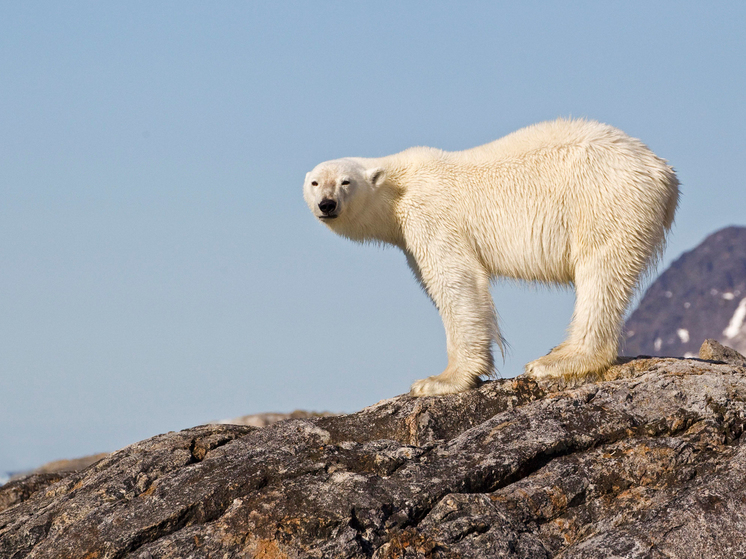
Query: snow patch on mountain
point(736, 321)
point(683, 334)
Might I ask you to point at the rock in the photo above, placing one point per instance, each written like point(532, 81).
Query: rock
point(72, 465)
point(75, 464)
point(648, 463)
point(712, 350)
point(21, 486)
point(18, 490)
point(264, 419)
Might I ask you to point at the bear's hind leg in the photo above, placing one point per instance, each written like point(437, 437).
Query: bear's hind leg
point(603, 289)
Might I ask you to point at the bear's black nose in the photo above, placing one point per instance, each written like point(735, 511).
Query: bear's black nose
point(327, 206)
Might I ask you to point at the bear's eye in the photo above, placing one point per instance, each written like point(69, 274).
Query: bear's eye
point(314, 183)
point(345, 182)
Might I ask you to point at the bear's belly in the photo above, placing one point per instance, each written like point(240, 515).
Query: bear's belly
point(543, 256)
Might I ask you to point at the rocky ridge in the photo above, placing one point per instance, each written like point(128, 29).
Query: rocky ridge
point(648, 463)
point(68, 466)
point(268, 418)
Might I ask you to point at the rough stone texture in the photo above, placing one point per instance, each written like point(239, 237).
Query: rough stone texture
point(697, 297)
point(76, 464)
point(19, 490)
point(712, 350)
point(649, 463)
point(64, 466)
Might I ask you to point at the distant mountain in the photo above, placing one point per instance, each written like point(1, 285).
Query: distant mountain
point(702, 295)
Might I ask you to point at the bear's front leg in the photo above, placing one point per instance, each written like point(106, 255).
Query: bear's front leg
point(459, 287)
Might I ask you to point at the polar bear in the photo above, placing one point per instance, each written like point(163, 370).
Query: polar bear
point(563, 202)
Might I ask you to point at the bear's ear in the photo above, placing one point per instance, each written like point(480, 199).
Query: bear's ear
point(375, 176)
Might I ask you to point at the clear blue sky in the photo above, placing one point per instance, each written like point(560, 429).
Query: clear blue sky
point(158, 266)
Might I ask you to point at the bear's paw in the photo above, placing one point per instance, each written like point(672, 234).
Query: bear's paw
point(437, 386)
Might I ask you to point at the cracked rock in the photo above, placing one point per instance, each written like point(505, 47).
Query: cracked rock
point(648, 462)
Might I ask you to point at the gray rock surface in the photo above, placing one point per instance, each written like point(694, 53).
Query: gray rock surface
point(712, 350)
point(649, 463)
point(63, 466)
point(68, 466)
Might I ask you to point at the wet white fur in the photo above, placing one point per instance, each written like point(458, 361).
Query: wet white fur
point(563, 202)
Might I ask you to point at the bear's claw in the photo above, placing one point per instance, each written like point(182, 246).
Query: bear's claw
point(537, 369)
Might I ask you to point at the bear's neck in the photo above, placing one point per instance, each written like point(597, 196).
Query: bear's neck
point(378, 222)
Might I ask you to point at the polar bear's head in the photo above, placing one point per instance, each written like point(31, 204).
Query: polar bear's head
point(339, 191)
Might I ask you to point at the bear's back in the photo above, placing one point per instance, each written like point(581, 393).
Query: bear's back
point(560, 133)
